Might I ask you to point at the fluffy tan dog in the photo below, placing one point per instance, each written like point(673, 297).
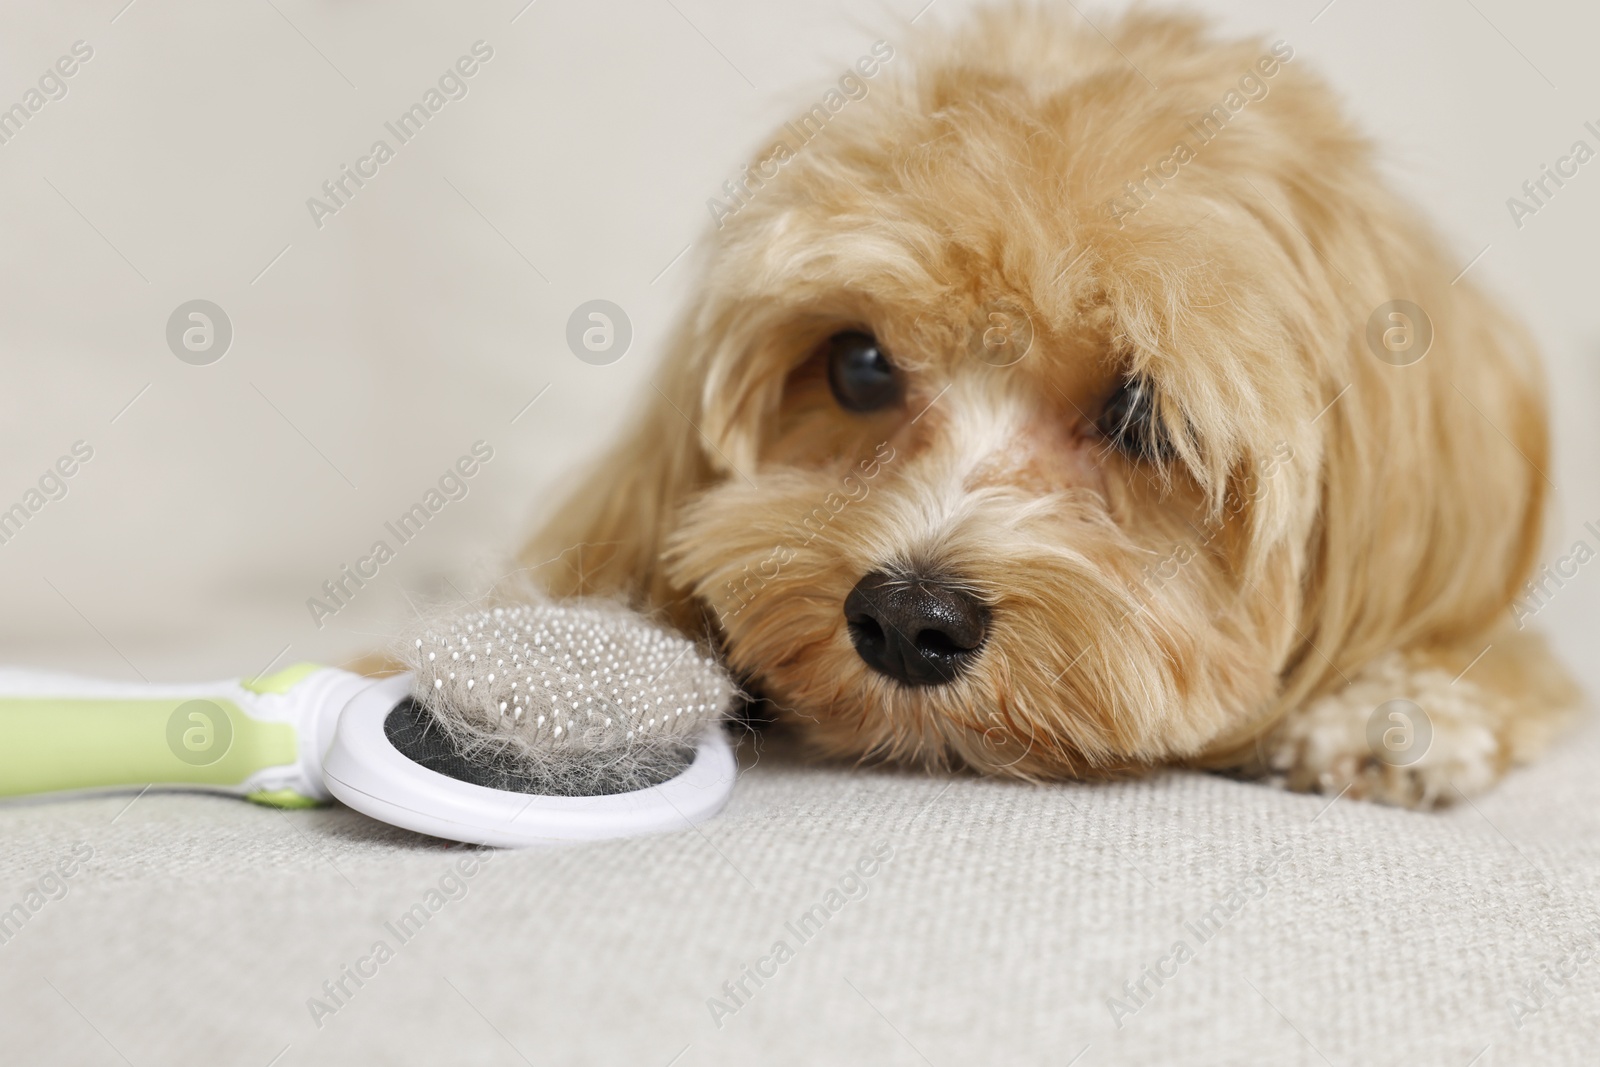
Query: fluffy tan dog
point(1046, 410)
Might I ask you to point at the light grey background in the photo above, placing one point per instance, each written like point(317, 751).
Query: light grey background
point(370, 353)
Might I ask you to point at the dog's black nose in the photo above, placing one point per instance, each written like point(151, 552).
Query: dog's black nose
point(917, 630)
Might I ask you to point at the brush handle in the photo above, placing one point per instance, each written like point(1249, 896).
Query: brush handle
point(260, 738)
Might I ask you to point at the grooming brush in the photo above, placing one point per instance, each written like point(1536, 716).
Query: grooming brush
point(515, 725)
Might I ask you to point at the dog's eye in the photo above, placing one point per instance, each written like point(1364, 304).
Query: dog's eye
point(1129, 422)
point(859, 372)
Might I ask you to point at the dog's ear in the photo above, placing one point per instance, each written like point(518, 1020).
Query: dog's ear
point(1434, 468)
point(1428, 464)
point(607, 537)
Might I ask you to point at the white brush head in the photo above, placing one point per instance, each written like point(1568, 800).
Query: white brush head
point(573, 698)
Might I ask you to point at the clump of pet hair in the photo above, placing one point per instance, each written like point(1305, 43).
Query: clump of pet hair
point(573, 698)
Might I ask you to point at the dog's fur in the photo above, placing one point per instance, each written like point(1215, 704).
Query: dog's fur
point(1325, 532)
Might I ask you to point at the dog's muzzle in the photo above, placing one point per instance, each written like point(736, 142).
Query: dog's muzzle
point(915, 629)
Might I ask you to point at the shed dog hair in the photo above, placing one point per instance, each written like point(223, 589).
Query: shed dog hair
point(1040, 228)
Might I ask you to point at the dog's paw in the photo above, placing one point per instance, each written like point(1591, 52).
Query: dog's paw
point(1399, 734)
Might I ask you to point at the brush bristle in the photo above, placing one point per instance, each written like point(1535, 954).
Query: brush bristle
point(577, 697)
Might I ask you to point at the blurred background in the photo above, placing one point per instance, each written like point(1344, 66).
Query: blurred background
point(372, 346)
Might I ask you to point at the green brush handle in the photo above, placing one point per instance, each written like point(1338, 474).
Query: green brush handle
point(256, 738)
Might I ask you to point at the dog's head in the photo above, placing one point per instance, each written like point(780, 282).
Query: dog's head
point(1027, 417)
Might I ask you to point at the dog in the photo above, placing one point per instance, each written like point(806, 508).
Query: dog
point(1074, 403)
